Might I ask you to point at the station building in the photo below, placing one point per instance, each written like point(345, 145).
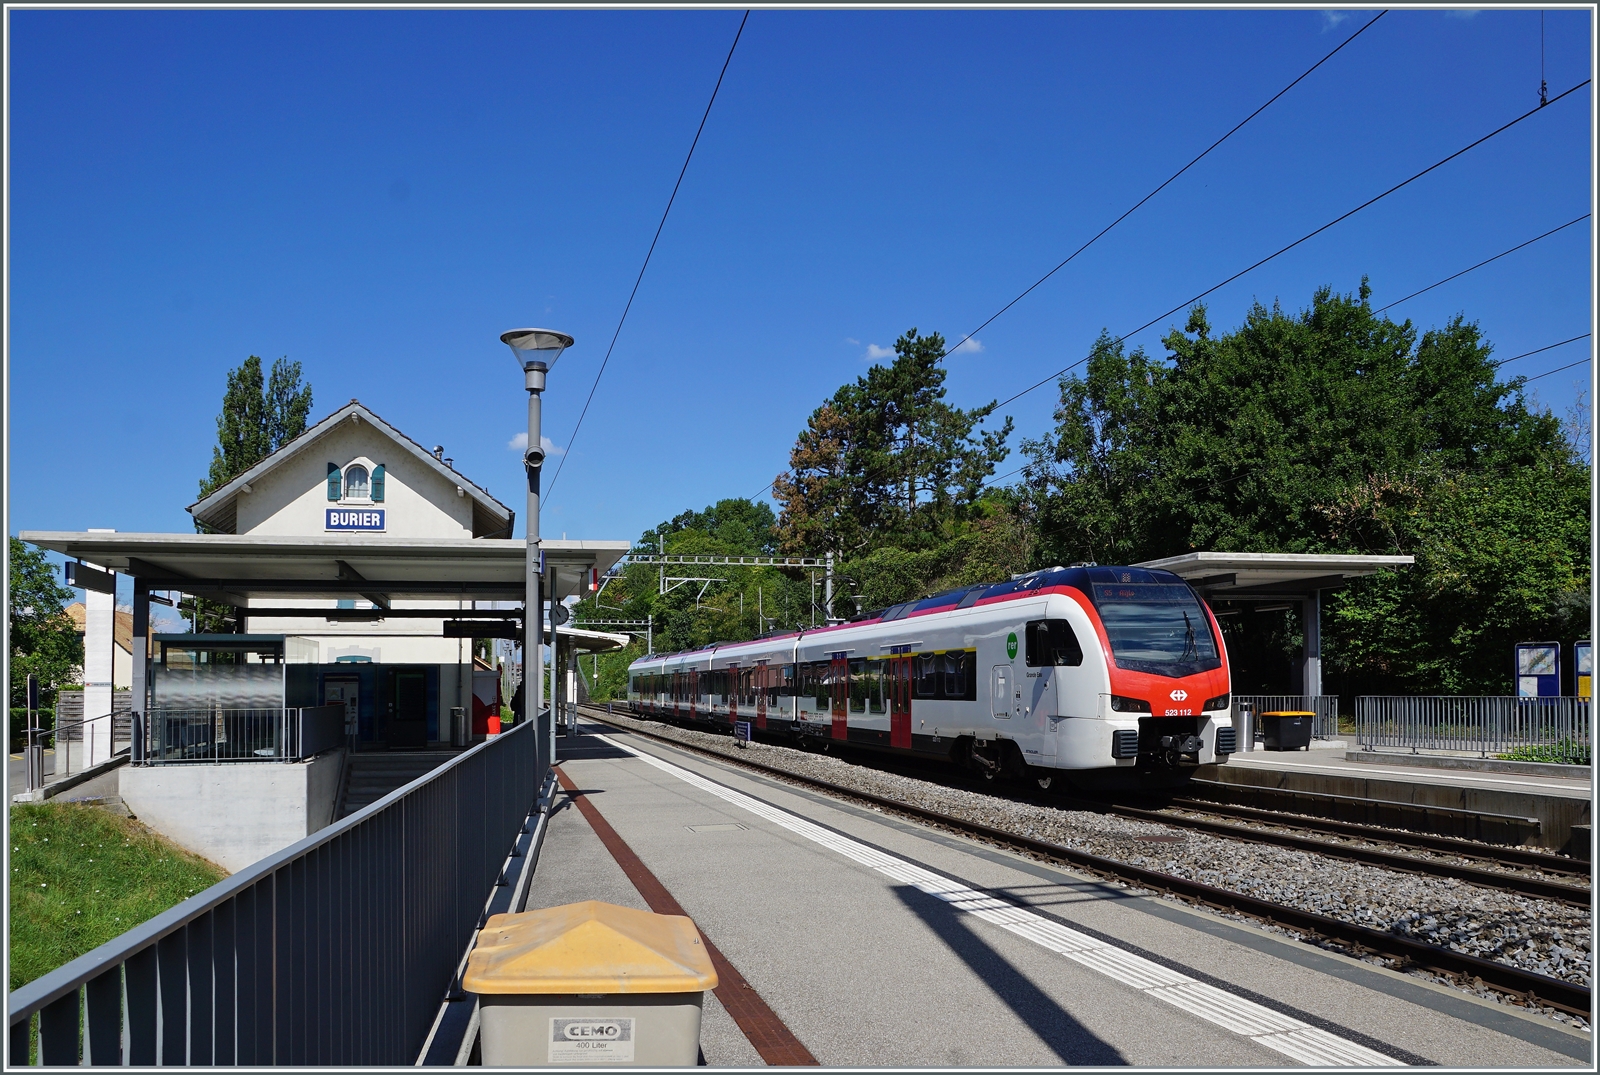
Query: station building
point(353, 473)
point(359, 567)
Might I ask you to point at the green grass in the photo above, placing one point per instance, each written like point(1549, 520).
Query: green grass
point(80, 876)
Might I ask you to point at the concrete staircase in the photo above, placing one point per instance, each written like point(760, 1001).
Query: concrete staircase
point(369, 777)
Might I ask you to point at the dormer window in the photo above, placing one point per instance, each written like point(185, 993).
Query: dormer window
point(357, 485)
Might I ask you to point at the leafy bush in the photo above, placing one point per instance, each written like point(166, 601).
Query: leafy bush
point(1564, 752)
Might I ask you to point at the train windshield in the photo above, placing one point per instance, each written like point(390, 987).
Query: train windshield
point(1155, 622)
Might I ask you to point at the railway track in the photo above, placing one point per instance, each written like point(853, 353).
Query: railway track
point(1524, 987)
point(1506, 858)
point(1517, 883)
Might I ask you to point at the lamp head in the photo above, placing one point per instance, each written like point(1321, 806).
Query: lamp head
point(536, 347)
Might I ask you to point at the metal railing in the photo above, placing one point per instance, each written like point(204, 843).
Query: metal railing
point(236, 735)
point(1326, 707)
point(336, 950)
point(77, 745)
point(1536, 729)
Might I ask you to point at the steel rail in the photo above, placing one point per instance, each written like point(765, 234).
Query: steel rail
point(1389, 860)
point(1509, 857)
point(1525, 986)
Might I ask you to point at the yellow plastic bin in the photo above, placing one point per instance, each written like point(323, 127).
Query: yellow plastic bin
point(589, 983)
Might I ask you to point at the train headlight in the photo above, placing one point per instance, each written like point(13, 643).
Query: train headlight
point(1219, 702)
point(1120, 704)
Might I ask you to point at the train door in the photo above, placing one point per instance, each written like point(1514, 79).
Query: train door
point(694, 690)
point(1000, 692)
point(761, 672)
point(897, 685)
point(839, 684)
point(733, 673)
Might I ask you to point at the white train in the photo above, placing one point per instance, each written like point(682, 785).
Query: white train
point(1094, 676)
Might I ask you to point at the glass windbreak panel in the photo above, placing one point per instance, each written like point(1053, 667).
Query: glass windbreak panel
point(216, 686)
point(298, 650)
point(1154, 621)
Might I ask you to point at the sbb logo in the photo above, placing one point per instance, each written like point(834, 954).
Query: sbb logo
point(1178, 696)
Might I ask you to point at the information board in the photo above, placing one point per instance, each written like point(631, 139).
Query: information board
point(1538, 669)
point(1583, 666)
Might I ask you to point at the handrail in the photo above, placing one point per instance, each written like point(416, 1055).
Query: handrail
point(28, 999)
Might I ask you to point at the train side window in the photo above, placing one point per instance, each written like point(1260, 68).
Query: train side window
point(1052, 643)
point(823, 684)
point(786, 689)
point(875, 671)
point(860, 686)
point(955, 674)
point(927, 675)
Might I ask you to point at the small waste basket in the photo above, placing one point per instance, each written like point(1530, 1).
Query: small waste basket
point(589, 983)
point(1244, 725)
point(1286, 730)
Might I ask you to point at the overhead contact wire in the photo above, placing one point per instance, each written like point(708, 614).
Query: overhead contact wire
point(657, 238)
point(1309, 235)
point(1166, 183)
point(1484, 262)
point(1236, 128)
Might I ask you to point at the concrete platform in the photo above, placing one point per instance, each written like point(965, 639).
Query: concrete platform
point(879, 942)
point(1558, 802)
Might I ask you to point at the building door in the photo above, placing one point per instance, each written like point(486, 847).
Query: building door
point(839, 684)
point(346, 691)
point(409, 728)
point(898, 686)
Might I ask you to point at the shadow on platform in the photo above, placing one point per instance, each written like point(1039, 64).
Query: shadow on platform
point(1065, 1036)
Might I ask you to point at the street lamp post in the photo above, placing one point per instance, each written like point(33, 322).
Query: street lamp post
point(536, 351)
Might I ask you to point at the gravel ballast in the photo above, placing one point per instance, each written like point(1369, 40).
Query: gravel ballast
point(1536, 935)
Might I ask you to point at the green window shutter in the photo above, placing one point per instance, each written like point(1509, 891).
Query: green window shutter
point(377, 483)
point(335, 481)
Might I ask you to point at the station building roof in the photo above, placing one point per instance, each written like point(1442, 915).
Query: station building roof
point(233, 568)
point(220, 510)
point(1271, 576)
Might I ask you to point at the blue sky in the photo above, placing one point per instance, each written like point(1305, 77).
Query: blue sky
point(379, 194)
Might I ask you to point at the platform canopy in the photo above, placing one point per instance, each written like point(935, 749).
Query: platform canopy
point(234, 568)
point(591, 641)
point(1271, 576)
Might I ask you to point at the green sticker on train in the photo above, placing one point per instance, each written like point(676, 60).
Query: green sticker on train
point(1011, 645)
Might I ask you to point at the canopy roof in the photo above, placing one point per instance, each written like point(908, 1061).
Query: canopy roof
point(231, 568)
point(1262, 576)
point(591, 641)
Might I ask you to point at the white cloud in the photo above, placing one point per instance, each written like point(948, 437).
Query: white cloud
point(874, 351)
point(852, 341)
point(1330, 19)
point(519, 443)
point(971, 346)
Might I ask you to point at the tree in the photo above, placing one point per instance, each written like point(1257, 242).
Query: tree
point(257, 418)
point(1331, 430)
point(886, 461)
point(44, 640)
